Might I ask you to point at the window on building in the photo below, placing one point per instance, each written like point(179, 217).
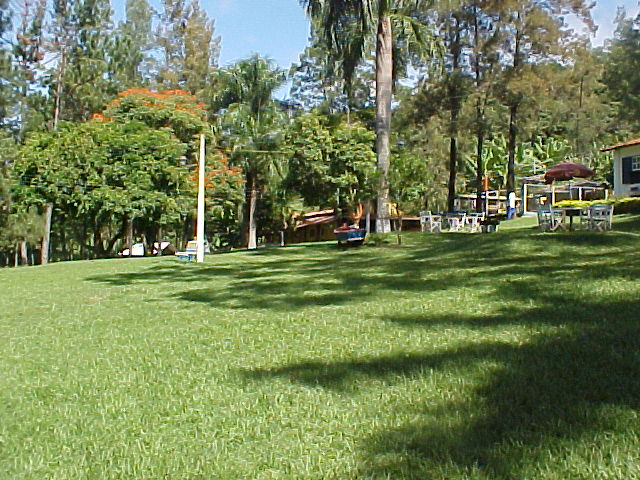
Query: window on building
point(631, 170)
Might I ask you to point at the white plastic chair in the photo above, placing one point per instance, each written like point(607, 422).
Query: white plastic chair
point(456, 223)
point(600, 217)
point(472, 222)
point(429, 222)
point(585, 218)
point(544, 219)
point(557, 219)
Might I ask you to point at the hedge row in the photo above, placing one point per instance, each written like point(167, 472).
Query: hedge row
point(620, 205)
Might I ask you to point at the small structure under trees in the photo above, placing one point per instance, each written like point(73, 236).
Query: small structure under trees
point(626, 167)
point(535, 192)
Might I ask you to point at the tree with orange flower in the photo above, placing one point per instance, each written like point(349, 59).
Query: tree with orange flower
point(125, 173)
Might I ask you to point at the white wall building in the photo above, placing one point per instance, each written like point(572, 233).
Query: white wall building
point(626, 168)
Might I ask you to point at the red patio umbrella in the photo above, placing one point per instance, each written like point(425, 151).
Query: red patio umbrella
point(567, 171)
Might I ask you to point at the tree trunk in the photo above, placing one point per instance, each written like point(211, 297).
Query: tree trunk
point(455, 104)
point(479, 172)
point(83, 243)
point(98, 244)
point(112, 242)
point(149, 238)
point(453, 171)
point(188, 231)
point(65, 250)
point(367, 221)
point(46, 238)
point(480, 114)
point(513, 119)
point(513, 137)
point(384, 94)
point(399, 230)
point(24, 258)
point(159, 239)
point(58, 95)
point(252, 242)
point(128, 232)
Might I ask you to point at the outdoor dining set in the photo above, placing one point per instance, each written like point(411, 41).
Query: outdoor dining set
point(550, 219)
point(453, 222)
point(595, 217)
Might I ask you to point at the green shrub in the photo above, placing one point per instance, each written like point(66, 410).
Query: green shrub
point(572, 204)
point(377, 239)
point(620, 205)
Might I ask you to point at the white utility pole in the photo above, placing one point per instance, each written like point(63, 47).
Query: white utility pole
point(200, 217)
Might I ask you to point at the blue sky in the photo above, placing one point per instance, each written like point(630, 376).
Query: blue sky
point(604, 14)
point(275, 28)
point(279, 29)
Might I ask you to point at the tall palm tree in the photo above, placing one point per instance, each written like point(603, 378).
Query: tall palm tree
point(249, 124)
point(346, 26)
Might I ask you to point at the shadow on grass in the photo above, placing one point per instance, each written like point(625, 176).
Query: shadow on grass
point(292, 278)
point(557, 390)
point(536, 401)
point(556, 387)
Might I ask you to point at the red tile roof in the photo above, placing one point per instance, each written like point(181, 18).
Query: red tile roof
point(629, 143)
point(322, 220)
point(319, 217)
point(318, 213)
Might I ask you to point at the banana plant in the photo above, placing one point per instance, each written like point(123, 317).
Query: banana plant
point(494, 162)
point(538, 156)
point(532, 158)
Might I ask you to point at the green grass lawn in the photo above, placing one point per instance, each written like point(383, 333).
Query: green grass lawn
point(513, 355)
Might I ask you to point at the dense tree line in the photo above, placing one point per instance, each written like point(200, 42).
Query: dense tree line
point(405, 102)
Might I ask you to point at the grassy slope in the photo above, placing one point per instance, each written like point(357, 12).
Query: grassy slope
point(505, 356)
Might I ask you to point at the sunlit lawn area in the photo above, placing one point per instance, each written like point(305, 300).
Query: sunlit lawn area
point(513, 355)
